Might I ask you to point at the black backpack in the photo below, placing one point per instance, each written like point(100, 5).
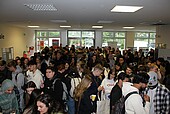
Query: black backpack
point(119, 107)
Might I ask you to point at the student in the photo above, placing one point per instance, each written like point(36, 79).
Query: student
point(44, 104)
point(134, 104)
point(8, 99)
point(29, 107)
point(29, 87)
point(159, 94)
point(18, 79)
point(82, 96)
point(108, 83)
point(116, 92)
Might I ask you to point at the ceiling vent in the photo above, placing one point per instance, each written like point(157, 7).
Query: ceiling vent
point(41, 7)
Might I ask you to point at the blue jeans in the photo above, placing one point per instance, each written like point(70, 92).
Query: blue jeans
point(71, 105)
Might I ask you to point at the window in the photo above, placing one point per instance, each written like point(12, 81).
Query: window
point(81, 38)
point(145, 40)
point(114, 39)
point(46, 38)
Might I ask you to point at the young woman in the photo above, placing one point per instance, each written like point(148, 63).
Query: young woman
point(44, 104)
point(29, 107)
point(29, 87)
point(8, 99)
point(83, 96)
point(108, 83)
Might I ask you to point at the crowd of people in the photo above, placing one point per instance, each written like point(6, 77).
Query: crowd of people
point(71, 81)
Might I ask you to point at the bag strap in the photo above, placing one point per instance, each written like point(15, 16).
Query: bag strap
point(134, 92)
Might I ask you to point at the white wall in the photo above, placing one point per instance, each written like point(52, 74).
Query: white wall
point(163, 35)
point(16, 37)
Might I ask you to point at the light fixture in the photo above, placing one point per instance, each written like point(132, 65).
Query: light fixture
point(130, 27)
point(65, 26)
point(34, 26)
point(97, 26)
point(58, 21)
point(41, 7)
point(118, 8)
point(105, 22)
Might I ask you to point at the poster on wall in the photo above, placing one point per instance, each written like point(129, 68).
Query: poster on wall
point(55, 43)
point(41, 45)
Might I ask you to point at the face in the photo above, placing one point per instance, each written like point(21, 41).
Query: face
point(121, 60)
point(49, 73)
point(98, 72)
point(9, 90)
point(112, 75)
point(31, 67)
point(143, 85)
point(2, 68)
point(29, 90)
point(42, 108)
point(128, 71)
point(66, 66)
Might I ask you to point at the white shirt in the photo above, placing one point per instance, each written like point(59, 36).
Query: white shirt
point(36, 77)
point(108, 84)
point(151, 94)
point(134, 104)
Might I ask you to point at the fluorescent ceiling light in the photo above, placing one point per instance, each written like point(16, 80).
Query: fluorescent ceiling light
point(105, 22)
point(33, 26)
point(126, 8)
point(58, 21)
point(97, 26)
point(65, 26)
point(41, 7)
point(128, 27)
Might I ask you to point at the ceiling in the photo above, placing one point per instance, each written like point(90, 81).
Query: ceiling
point(82, 14)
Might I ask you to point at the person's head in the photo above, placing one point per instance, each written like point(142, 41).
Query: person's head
point(121, 59)
point(159, 61)
point(111, 74)
point(80, 65)
point(18, 61)
point(67, 65)
point(50, 72)
point(61, 68)
point(45, 104)
point(30, 86)
point(7, 86)
point(141, 69)
point(82, 86)
point(129, 70)
point(52, 63)
point(2, 65)
point(122, 76)
point(32, 65)
point(97, 70)
point(140, 80)
point(12, 65)
point(34, 95)
point(153, 67)
point(153, 79)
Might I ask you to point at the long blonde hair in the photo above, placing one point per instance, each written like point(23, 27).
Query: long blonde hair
point(81, 87)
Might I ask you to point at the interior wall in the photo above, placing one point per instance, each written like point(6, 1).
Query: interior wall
point(163, 35)
point(16, 37)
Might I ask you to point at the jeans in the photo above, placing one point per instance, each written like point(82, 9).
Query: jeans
point(71, 105)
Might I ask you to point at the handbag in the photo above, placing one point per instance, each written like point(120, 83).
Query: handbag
point(103, 105)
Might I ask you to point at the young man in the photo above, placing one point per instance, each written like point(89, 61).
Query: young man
point(18, 80)
point(94, 88)
point(34, 74)
point(159, 94)
point(134, 104)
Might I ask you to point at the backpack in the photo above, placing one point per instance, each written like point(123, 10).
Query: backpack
point(25, 80)
point(74, 82)
point(119, 107)
point(65, 94)
point(18, 97)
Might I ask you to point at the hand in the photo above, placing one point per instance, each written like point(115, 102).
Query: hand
point(146, 98)
point(100, 88)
